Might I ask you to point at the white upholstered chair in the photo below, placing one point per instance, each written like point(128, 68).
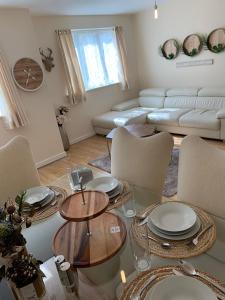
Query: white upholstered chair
point(141, 161)
point(201, 176)
point(17, 169)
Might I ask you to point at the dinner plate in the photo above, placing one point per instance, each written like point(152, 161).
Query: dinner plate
point(173, 217)
point(105, 184)
point(36, 194)
point(180, 288)
point(187, 235)
point(42, 204)
point(117, 191)
point(174, 233)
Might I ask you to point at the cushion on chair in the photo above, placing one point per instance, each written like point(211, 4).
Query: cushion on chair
point(114, 119)
point(200, 118)
point(180, 102)
point(126, 105)
point(182, 92)
point(151, 101)
point(210, 102)
point(213, 92)
point(167, 116)
point(141, 161)
point(159, 92)
point(201, 175)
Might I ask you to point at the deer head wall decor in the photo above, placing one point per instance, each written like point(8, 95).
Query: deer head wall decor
point(47, 59)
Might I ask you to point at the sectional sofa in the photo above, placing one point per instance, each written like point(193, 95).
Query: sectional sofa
point(196, 111)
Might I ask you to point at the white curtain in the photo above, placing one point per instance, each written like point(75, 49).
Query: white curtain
point(11, 110)
point(75, 86)
point(98, 56)
point(123, 75)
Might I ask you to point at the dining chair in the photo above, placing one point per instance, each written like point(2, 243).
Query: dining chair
point(201, 175)
point(141, 161)
point(17, 168)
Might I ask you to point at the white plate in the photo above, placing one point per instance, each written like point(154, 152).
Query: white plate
point(174, 233)
point(42, 204)
point(117, 191)
point(187, 235)
point(180, 288)
point(173, 217)
point(105, 184)
point(36, 194)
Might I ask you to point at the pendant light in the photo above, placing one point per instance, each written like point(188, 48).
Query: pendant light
point(156, 15)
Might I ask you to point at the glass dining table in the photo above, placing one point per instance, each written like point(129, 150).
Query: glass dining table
point(103, 281)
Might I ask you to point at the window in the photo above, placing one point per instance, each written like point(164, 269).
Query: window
point(98, 56)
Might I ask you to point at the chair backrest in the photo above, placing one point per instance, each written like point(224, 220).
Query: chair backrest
point(201, 175)
point(141, 161)
point(17, 168)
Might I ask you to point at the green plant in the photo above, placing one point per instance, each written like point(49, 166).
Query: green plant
point(24, 268)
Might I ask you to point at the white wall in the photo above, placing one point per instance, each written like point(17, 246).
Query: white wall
point(177, 19)
point(17, 40)
point(99, 100)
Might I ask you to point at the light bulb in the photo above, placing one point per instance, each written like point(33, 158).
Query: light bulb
point(156, 15)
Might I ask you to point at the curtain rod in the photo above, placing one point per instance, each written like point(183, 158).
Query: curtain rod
point(88, 29)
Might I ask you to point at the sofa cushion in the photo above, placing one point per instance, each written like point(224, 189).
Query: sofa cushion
point(151, 101)
point(114, 119)
point(158, 92)
point(200, 118)
point(211, 92)
point(183, 92)
point(180, 102)
point(126, 105)
point(167, 116)
point(214, 103)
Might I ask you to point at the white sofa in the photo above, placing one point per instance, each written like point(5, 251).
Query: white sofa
point(196, 111)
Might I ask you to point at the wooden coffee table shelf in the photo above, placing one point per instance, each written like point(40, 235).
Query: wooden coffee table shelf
point(73, 209)
point(91, 236)
point(108, 236)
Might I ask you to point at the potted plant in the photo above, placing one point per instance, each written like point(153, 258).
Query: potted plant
point(17, 266)
point(61, 117)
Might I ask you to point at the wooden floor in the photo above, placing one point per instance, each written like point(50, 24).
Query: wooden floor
point(84, 151)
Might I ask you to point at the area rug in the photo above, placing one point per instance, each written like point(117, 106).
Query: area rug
point(170, 186)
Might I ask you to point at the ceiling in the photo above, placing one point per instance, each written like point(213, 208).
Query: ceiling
point(79, 7)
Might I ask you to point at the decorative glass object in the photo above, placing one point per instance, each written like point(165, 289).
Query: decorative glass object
point(129, 208)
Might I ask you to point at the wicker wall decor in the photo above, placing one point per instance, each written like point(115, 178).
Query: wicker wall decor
point(192, 45)
point(216, 40)
point(170, 49)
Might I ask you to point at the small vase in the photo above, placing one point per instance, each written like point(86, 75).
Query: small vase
point(64, 136)
point(34, 290)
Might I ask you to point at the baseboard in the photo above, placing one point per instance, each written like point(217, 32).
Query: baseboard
point(83, 137)
point(50, 159)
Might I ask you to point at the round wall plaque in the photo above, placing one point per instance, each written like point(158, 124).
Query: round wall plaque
point(216, 40)
point(192, 45)
point(170, 49)
point(28, 74)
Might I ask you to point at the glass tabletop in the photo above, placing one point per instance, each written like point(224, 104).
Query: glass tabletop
point(107, 276)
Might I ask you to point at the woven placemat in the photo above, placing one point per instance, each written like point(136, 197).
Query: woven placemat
point(49, 210)
point(180, 249)
point(122, 198)
point(135, 285)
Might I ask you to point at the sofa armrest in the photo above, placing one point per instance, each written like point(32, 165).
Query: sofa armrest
point(221, 114)
point(126, 105)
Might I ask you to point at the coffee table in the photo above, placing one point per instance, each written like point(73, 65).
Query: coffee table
point(138, 130)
